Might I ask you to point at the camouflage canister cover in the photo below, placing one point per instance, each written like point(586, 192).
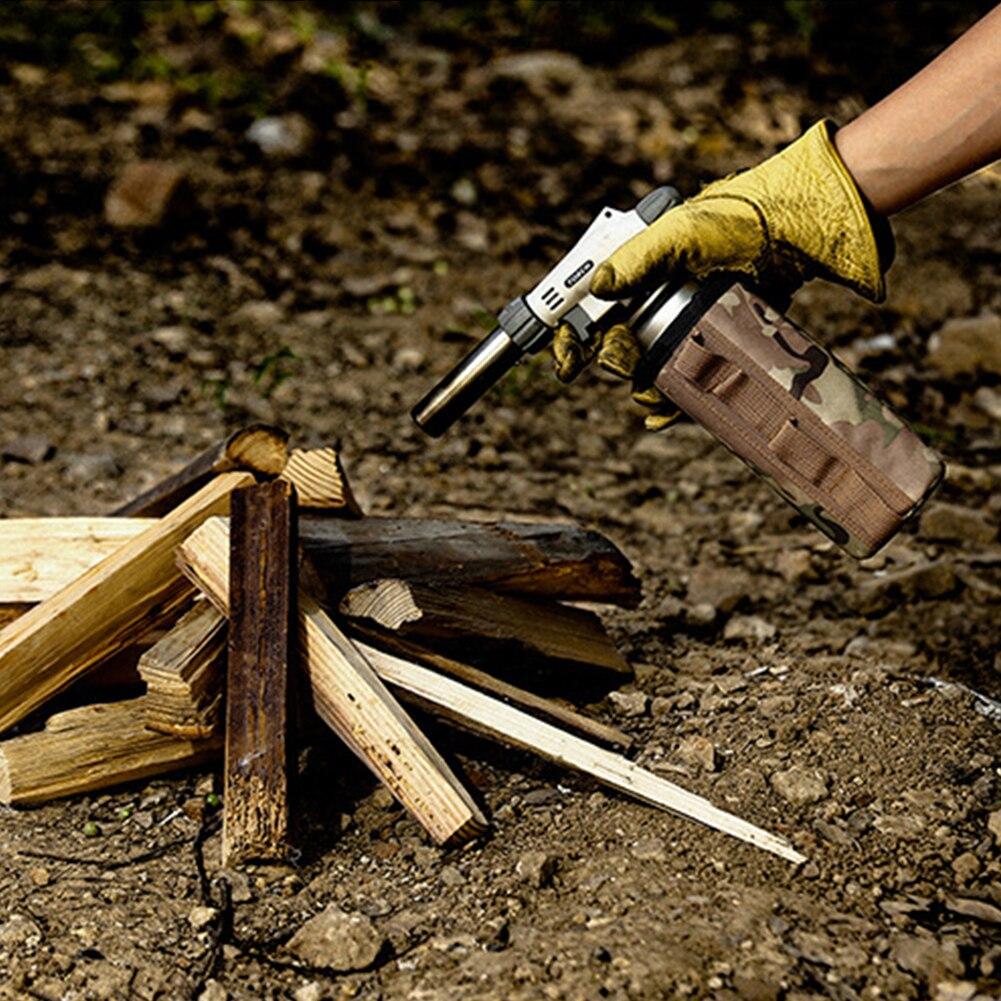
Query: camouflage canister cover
point(799, 418)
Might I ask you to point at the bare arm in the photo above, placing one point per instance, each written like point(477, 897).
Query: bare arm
point(943, 123)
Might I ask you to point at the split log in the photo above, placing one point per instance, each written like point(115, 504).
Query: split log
point(105, 609)
point(263, 577)
point(551, 561)
point(537, 705)
point(184, 675)
point(38, 556)
point(470, 618)
point(321, 485)
point(482, 714)
point(90, 748)
point(259, 448)
point(350, 698)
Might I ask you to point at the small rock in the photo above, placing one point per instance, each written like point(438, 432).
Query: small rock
point(968, 344)
point(701, 615)
point(18, 932)
point(213, 991)
point(988, 401)
point(239, 886)
point(795, 565)
point(629, 703)
point(994, 825)
point(202, 917)
point(336, 940)
point(748, 627)
point(383, 799)
point(927, 580)
point(699, 752)
point(260, 314)
point(927, 958)
point(954, 523)
point(661, 707)
point(451, 876)
point(175, 340)
point(980, 910)
point(464, 192)
point(649, 850)
point(800, 786)
point(88, 468)
point(965, 866)
point(312, 991)
point(957, 990)
point(722, 587)
point(39, 875)
point(28, 448)
point(281, 137)
point(147, 194)
point(536, 868)
point(540, 797)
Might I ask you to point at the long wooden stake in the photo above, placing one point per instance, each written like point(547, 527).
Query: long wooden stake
point(94, 747)
point(350, 698)
point(259, 448)
point(104, 609)
point(483, 714)
point(262, 584)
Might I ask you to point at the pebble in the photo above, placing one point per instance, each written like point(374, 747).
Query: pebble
point(239, 886)
point(201, 917)
point(795, 565)
point(260, 314)
point(175, 340)
point(701, 614)
point(311, 991)
point(649, 850)
point(966, 867)
point(213, 991)
point(39, 875)
point(748, 627)
point(629, 703)
point(800, 786)
point(88, 468)
point(146, 194)
point(722, 587)
point(927, 580)
point(994, 825)
point(336, 940)
point(968, 344)
point(28, 448)
point(699, 752)
point(281, 137)
point(450, 876)
point(926, 957)
point(954, 523)
point(537, 869)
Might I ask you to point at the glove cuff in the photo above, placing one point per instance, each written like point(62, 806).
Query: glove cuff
point(859, 248)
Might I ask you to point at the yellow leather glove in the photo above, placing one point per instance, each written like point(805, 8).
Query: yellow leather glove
point(796, 216)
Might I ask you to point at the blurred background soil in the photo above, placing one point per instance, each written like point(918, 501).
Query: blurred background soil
point(354, 189)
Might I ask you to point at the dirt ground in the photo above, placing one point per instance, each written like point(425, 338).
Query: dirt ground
point(325, 290)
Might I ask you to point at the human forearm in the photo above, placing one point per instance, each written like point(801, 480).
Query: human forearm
point(942, 124)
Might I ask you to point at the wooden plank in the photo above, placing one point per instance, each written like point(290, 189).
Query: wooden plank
point(259, 448)
point(561, 562)
point(38, 556)
point(184, 674)
point(321, 485)
point(90, 748)
point(512, 727)
point(262, 582)
point(105, 609)
point(537, 705)
point(477, 621)
point(350, 698)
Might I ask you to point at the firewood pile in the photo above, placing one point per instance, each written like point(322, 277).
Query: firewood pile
point(247, 592)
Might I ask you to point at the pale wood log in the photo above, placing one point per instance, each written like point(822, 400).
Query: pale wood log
point(561, 562)
point(483, 714)
point(473, 619)
point(350, 698)
point(537, 705)
point(321, 485)
point(38, 556)
point(105, 609)
point(184, 674)
point(90, 748)
point(259, 448)
point(263, 577)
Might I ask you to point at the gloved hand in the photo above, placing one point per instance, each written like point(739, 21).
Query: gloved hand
point(796, 216)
